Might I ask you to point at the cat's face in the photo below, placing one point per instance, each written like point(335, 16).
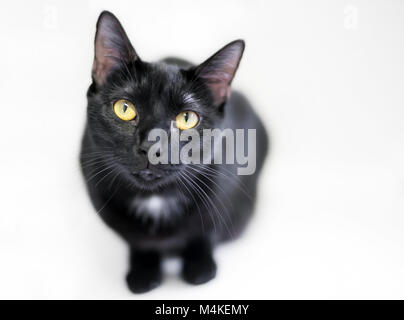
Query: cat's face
point(129, 98)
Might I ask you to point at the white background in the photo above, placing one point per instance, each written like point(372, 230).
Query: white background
point(327, 78)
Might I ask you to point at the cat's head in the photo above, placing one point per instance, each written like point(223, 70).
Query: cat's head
point(129, 97)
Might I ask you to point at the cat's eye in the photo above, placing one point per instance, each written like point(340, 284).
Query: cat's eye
point(125, 110)
point(186, 120)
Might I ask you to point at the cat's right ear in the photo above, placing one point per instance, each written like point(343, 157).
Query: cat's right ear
point(219, 70)
point(112, 47)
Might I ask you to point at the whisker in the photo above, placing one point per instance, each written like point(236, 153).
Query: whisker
point(213, 205)
point(109, 166)
point(196, 203)
point(108, 200)
point(235, 179)
point(200, 196)
point(106, 175)
point(207, 176)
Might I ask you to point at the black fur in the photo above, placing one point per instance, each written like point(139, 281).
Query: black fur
point(211, 204)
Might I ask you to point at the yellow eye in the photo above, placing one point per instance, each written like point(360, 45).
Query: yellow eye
point(186, 120)
point(125, 110)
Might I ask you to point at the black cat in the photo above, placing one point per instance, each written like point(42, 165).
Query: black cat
point(164, 209)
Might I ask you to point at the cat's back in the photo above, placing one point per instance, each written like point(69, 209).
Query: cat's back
point(240, 114)
point(239, 191)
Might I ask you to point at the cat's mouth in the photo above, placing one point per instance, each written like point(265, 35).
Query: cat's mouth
point(153, 177)
point(147, 175)
point(148, 179)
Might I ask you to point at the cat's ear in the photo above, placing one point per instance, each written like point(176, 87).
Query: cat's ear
point(112, 47)
point(219, 70)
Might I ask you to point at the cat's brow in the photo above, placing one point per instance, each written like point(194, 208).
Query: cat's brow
point(189, 98)
point(128, 88)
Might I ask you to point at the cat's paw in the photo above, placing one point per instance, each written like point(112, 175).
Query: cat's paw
point(199, 271)
point(141, 282)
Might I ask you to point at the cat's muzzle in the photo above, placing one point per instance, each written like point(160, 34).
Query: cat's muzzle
point(146, 174)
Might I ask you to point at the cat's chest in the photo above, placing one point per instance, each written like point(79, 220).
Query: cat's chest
point(156, 207)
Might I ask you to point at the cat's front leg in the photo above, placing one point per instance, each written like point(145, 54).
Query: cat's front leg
point(145, 271)
point(199, 266)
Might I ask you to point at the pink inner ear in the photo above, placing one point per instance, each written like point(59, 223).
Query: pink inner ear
point(219, 70)
point(112, 47)
point(103, 64)
point(106, 53)
point(219, 77)
point(228, 92)
point(220, 91)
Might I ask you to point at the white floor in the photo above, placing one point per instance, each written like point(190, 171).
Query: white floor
point(327, 77)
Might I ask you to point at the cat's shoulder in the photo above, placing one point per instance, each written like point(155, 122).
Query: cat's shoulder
point(239, 111)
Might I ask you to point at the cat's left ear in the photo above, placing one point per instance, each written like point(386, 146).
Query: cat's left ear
point(112, 47)
point(219, 70)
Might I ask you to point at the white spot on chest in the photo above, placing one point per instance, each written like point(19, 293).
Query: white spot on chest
point(156, 207)
point(153, 205)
